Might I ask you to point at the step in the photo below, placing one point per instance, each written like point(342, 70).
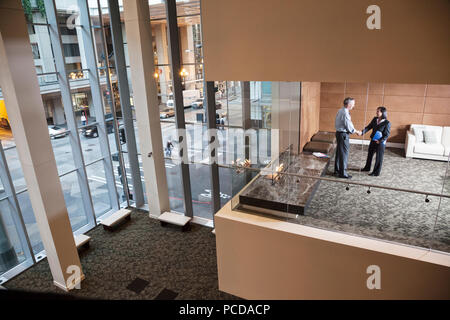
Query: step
point(116, 217)
point(81, 240)
point(174, 218)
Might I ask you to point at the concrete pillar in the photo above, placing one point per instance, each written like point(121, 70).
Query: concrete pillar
point(58, 112)
point(163, 58)
point(26, 114)
point(145, 98)
point(91, 105)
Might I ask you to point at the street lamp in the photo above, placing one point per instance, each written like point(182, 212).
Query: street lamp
point(184, 74)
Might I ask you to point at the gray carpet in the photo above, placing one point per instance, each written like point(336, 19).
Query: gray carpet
point(390, 215)
point(139, 260)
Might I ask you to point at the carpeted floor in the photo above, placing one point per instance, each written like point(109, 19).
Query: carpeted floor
point(163, 262)
point(385, 214)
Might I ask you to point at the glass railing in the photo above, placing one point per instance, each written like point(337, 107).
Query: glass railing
point(280, 174)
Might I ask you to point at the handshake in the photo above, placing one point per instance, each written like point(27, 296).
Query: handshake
point(359, 133)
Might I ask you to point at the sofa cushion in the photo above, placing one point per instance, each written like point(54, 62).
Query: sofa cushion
point(428, 148)
point(430, 136)
point(418, 130)
point(418, 133)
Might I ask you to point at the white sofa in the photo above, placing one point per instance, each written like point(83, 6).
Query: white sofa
point(417, 147)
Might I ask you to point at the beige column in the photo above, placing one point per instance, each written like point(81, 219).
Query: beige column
point(145, 96)
point(27, 117)
point(163, 58)
point(310, 112)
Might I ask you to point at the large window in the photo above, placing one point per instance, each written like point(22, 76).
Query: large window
point(81, 128)
point(71, 50)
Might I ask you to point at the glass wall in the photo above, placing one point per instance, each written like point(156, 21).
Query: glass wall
point(401, 195)
point(80, 118)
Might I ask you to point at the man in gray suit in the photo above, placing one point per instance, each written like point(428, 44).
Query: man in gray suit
point(344, 127)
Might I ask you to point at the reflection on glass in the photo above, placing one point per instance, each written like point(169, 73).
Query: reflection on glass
point(30, 222)
point(441, 229)
point(201, 190)
point(74, 203)
point(63, 152)
point(11, 249)
point(90, 145)
point(173, 173)
point(99, 188)
point(15, 169)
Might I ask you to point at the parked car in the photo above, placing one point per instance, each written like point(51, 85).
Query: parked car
point(90, 132)
point(197, 104)
point(57, 132)
point(166, 113)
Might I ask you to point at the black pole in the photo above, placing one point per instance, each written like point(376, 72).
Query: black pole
point(177, 89)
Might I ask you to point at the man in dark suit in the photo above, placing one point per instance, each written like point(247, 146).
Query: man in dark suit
point(344, 127)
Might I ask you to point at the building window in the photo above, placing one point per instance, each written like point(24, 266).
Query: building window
point(35, 49)
point(31, 28)
point(71, 50)
point(62, 22)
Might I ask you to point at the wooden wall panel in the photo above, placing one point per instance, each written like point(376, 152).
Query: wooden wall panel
point(406, 103)
point(395, 89)
point(310, 111)
point(437, 119)
point(435, 90)
point(356, 88)
point(333, 87)
point(327, 117)
point(331, 100)
point(376, 88)
point(437, 105)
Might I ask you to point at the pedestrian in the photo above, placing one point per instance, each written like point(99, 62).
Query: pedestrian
point(83, 119)
point(169, 147)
